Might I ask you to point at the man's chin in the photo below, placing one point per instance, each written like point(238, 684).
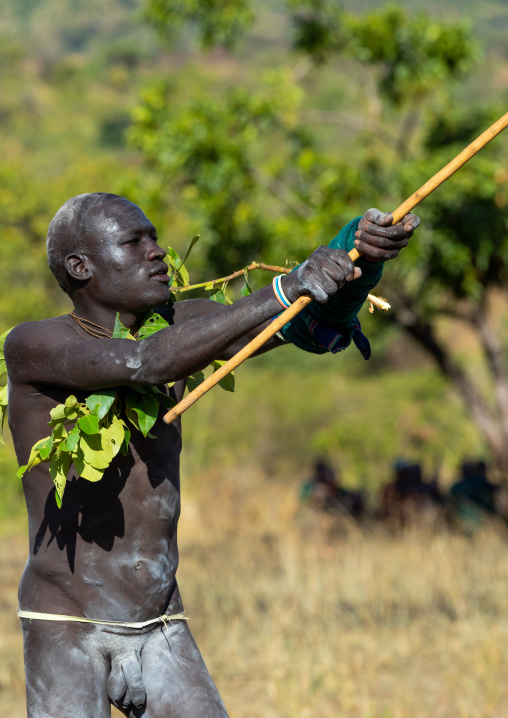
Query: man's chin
point(155, 299)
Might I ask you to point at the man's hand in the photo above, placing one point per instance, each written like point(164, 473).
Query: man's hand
point(378, 240)
point(321, 275)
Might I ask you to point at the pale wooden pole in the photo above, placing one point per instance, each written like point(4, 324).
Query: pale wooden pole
point(302, 302)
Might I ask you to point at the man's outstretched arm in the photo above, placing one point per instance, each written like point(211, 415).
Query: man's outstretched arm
point(52, 353)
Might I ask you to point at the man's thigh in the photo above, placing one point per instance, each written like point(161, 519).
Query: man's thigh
point(65, 676)
point(176, 679)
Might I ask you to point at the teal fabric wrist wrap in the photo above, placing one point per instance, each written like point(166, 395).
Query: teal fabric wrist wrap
point(320, 328)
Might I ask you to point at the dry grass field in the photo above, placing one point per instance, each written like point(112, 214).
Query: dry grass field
point(300, 617)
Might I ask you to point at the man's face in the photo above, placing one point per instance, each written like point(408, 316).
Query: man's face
point(128, 269)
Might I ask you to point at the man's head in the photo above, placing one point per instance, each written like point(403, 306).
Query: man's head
point(102, 244)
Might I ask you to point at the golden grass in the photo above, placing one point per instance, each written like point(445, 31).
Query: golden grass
point(297, 616)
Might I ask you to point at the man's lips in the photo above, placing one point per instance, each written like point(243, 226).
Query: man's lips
point(160, 274)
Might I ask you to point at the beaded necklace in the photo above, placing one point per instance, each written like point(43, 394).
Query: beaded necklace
point(94, 329)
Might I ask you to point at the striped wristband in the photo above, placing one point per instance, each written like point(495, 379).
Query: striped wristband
point(279, 293)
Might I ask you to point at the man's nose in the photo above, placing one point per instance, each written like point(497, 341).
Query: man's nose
point(155, 251)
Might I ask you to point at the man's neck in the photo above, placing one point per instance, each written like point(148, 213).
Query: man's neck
point(105, 317)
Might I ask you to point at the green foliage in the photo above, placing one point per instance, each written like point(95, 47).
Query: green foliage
point(412, 54)
point(217, 22)
point(79, 436)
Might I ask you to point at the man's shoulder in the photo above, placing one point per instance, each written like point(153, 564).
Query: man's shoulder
point(34, 338)
point(26, 331)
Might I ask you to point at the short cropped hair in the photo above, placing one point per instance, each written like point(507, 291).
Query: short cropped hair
point(68, 231)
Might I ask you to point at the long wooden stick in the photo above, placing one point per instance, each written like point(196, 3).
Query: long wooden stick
point(302, 302)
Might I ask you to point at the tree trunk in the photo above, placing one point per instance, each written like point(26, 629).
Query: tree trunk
point(490, 423)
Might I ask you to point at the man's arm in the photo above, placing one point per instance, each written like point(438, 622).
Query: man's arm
point(191, 308)
point(51, 353)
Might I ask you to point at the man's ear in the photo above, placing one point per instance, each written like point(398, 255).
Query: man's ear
point(78, 266)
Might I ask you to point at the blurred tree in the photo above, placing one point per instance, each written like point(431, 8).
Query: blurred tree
point(250, 169)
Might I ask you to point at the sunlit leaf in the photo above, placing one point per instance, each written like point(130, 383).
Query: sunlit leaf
point(84, 470)
point(99, 449)
point(183, 275)
point(58, 470)
point(72, 440)
point(173, 258)
point(103, 399)
point(218, 295)
point(45, 447)
point(119, 331)
point(58, 413)
point(151, 324)
point(89, 423)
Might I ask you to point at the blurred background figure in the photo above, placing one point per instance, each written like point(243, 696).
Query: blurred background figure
point(324, 492)
point(473, 497)
point(408, 498)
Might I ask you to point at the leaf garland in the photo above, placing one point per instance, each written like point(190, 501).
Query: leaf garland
point(90, 434)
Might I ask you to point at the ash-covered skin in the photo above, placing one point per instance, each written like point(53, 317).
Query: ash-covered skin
point(110, 553)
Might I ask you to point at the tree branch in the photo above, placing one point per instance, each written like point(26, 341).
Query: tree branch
point(406, 317)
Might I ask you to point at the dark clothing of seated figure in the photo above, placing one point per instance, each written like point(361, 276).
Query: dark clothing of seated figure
point(408, 498)
point(324, 492)
point(473, 496)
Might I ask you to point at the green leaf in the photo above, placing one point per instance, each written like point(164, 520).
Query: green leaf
point(90, 447)
point(246, 289)
point(71, 401)
point(119, 331)
point(228, 382)
point(183, 275)
point(218, 295)
point(58, 470)
point(151, 324)
point(195, 380)
point(89, 423)
point(209, 286)
point(162, 397)
point(34, 459)
point(101, 402)
point(58, 413)
point(98, 450)
point(84, 470)
point(173, 258)
point(114, 434)
point(44, 448)
point(72, 440)
point(142, 410)
point(59, 432)
point(189, 248)
point(124, 449)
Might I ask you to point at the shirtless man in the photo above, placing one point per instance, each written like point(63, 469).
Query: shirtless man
point(110, 553)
